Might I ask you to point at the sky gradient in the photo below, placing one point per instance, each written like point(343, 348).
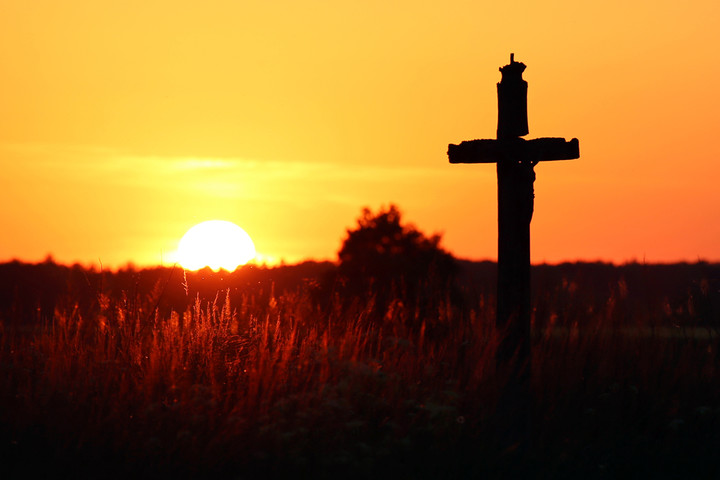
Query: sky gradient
point(123, 124)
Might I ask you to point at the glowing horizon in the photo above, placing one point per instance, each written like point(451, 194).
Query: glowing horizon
point(121, 126)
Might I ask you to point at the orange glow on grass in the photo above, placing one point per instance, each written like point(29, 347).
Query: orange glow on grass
point(217, 244)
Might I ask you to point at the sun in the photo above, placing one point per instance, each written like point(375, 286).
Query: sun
point(216, 244)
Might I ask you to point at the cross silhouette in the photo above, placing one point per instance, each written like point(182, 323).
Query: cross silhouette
point(515, 158)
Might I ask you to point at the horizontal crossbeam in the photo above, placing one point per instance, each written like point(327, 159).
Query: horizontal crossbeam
point(492, 151)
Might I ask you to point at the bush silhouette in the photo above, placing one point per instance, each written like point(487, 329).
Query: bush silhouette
point(389, 260)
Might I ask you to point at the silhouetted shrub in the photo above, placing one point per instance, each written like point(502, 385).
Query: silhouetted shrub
point(385, 259)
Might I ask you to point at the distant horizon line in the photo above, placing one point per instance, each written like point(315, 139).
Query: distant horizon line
point(129, 265)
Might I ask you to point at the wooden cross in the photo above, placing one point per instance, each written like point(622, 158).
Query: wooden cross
point(515, 159)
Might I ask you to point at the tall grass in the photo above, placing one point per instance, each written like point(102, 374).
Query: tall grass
point(283, 386)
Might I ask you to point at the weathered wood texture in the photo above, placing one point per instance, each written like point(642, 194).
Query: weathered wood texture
point(515, 158)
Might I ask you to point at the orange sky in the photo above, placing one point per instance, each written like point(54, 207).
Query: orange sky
point(122, 124)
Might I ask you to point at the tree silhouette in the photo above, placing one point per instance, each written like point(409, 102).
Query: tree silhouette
point(389, 260)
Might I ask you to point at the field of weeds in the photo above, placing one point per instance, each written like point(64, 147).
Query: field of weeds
point(263, 383)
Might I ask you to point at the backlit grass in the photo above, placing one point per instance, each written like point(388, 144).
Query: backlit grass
point(258, 387)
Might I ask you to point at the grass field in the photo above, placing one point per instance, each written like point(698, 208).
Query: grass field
point(265, 385)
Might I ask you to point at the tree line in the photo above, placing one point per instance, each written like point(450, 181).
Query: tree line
point(382, 262)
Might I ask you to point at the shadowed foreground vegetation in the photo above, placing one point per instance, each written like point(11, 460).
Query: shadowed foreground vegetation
point(272, 373)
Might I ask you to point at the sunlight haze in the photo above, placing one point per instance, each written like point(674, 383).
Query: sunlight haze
point(123, 124)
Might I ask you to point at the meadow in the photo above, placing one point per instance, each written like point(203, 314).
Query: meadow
point(283, 373)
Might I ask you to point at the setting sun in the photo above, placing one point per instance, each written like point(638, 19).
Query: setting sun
point(216, 244)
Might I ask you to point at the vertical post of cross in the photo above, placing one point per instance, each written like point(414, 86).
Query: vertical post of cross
point(515, 177)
